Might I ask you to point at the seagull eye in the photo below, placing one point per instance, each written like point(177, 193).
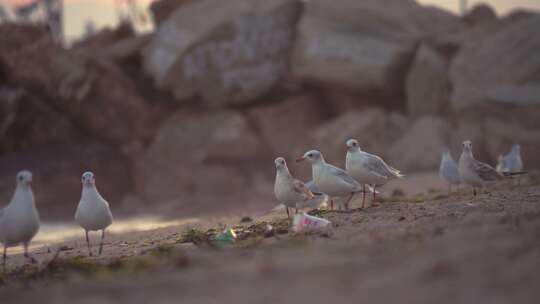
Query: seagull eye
point(21, 178)
point(310, 155)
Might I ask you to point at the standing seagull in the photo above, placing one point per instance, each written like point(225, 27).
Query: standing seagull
point(331, 180)
point(511, 162)
point(93, 212)
point(19, 220)
point(476, 173)
point(449, 170)
point(288, 190)
point(368, 168)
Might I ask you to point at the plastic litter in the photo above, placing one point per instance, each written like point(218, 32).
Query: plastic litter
point(226, 238)
point(305, 221)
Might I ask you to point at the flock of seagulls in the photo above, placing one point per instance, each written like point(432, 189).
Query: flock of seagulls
point(19, 220)
point(475, 173)
point(364, 172)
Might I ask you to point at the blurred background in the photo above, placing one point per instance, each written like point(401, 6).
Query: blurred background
point(180, 106)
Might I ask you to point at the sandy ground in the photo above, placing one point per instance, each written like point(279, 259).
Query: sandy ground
point(421, 248)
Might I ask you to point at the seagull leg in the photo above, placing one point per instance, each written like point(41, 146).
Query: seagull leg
point(363, 195)
point(296, 211)
point(88, 243)
point(26, 255)
point(287, 208)
point(374, 192)
point(332, 204)
point(474, 191)
point(101, 244)
point(348, 201)
point(4, 258)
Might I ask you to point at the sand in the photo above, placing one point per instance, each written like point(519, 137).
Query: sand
point(434, 248)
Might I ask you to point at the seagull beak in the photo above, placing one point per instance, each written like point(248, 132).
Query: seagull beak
point(301, 158)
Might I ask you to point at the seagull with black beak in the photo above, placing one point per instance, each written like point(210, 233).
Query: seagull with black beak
point(19, 220)
point(93, 212)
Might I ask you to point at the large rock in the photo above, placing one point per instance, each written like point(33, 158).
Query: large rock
point(91, 92)
point(500, 68)
point(227, 52)
point(480, 14)
point(374, 129)
point(419, 149)
point(205, 159)
point(162, 9)
point(363, 45)
point(57, 173)
point(29, 121)
point(282, 126)
point(427, 84)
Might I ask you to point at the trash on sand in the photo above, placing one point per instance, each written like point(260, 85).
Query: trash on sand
point(227, 237)
point(304, 221)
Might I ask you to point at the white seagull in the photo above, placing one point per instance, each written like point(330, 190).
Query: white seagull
point(448, 170)
point(19, 220)
point(368, 168)
point(93, 212)
point(331, 180)
point(511, 162)
point(289, 191)
point(476, 173)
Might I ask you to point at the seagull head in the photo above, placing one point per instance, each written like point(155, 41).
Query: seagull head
point(24, 178)
point(88, 179)
point(352, 145)
point(312, 156)
point(467, 146)
point(280, 163)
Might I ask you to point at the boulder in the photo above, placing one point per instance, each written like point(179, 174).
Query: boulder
point(500, 68)
point(283, 125)
point(91, 92)
point(106, 37)
point(162, 9)
point(57, 173)
point(209, 158)
point(374, 129)
point(236, 53)
point(420, 147)
point(427, 85)
point(29, 121)
point(480, 14)
point(363, 45)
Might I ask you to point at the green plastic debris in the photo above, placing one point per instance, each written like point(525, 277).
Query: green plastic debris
point(226, 238)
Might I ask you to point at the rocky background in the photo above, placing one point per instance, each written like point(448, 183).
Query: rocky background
point(189, 118)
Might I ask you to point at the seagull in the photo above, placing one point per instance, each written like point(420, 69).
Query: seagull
point(511, 162)
point(93, 212)
point(368, 168)
point(476, 173)
point(331, 180)
point(448, 170)
point(288, 190)
point(19, 220)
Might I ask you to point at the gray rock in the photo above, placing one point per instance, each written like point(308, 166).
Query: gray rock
point(427, 84)
point(227, 52)
point(363, 45)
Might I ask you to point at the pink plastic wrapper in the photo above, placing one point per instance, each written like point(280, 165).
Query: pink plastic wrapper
point(304, 221)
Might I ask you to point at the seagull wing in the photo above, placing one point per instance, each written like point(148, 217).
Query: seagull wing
point(376, 165)
point(343, 176)
point(485, 171)
point(300, 187)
